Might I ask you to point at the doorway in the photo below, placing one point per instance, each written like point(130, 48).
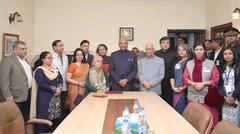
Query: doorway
point(191, 36)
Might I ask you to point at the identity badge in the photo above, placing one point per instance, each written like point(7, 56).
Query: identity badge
point(177, 66)
point(206, 69)
point(217, 62)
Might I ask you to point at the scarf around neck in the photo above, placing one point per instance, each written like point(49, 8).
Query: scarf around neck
point(97, 78)
point(197, 70)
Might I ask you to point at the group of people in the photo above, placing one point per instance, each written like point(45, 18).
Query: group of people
point(208, 74)
point(211, 77)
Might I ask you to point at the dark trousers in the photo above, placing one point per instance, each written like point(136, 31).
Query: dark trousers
point(167, 92)
point(65, 111)
point(136, 85)
point(25, 107)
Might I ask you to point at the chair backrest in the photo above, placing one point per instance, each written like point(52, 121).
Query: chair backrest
point(226, 127)
point(11, 119)
point(199, 117)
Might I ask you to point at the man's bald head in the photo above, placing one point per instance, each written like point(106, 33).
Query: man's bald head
point(123, 43)
point(149, 45)
point(149, 48)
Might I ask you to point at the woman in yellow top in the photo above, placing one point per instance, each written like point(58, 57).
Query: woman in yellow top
point(76, 76)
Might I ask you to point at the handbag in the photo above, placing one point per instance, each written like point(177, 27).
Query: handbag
point(213, 97)
point(78, 98)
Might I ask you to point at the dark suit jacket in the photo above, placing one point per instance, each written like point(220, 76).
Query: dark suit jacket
point(13, 80)
point(89, 59)
point(210, 56)
point(236, 49)
point(123, 65)
point(219, 62)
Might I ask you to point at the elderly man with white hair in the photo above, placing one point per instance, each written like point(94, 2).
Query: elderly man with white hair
point(151, 71)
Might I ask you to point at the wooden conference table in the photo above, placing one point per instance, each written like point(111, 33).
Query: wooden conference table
point(89, 116)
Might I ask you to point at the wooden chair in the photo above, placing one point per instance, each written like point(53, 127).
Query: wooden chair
point(12, 122)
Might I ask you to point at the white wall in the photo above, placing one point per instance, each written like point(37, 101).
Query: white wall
point(24, 29)
point(99, 21)
point(236, 23)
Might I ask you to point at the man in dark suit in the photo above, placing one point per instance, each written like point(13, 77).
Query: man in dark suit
point(208, 49)
point(122, 67)
point(217, 54)
point(169, 57)
point(180, 40)
point(16, 78)
point(84, 45)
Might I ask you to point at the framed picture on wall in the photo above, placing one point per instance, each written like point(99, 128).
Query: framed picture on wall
point(127, 32)
point(7, 43)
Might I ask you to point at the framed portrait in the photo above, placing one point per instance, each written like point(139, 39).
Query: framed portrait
point(7, 43)
point(127, 32)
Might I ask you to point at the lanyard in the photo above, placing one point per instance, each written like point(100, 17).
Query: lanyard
point(227, 76)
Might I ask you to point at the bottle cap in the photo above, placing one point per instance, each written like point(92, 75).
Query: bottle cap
point(125, 120)
point(126, 108)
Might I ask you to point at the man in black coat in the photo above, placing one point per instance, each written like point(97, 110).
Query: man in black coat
point(84, 45)
point(217, 53)
point(169, 57)
point(208, 49)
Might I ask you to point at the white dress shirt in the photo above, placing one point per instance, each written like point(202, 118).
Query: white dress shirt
point(28, 70)
point(86, 56)
point(62, 66)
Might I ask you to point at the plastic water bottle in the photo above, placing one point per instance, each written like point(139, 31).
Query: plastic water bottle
point(136, 107)
point(140, 126)
point(142, 129)
point(125, 113)
point(134, 117)
point(125, 127)
point(141, 113)
point(144, 126)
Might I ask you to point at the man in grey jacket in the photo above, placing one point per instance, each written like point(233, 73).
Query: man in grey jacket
point(151, 71)
point(16, 78)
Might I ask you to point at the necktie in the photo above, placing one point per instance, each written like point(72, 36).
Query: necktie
point(61, 59)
